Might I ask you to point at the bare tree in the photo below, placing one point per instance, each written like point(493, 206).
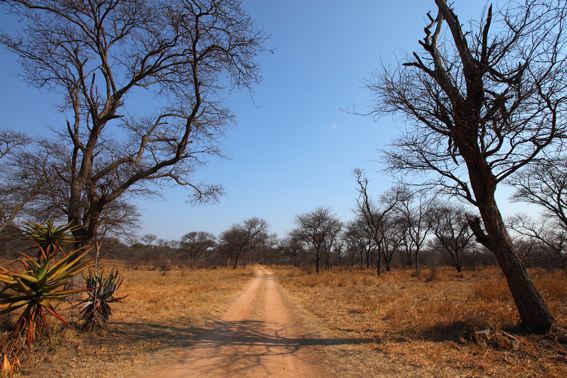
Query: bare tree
point(546, 231)
point(293, 246)
point(17, 189)
point(415, 209)
point(373, 215)
point(393, 230)
point(451, 228)
point(320, 229)
point(544, 183)
point(198, 245)
point(485, 101)
point(148, 239)
point(242, 238)
point(99, 54)
point(359, 241)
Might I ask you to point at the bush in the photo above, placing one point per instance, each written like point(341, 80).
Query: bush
point(100, 289)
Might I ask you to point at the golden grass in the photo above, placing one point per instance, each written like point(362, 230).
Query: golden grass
point(431, 324)
point(161, 312)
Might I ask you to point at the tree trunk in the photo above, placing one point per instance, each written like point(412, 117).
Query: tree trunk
point(533, 311)
point(532, 308)
point(235, 263)
point(379, 263)
point(416, 261)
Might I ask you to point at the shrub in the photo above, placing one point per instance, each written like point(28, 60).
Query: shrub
point(50, 238)
point(36, 289)
point(100, 289)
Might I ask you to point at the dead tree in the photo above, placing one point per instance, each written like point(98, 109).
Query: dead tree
point(100, 56)
point(485, 101)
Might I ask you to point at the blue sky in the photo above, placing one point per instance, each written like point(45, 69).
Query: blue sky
point(294, 147)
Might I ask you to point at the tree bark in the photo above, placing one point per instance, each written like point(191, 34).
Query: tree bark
point(533, 310)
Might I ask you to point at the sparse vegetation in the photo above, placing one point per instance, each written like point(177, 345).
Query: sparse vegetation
point(464, 322)
point(414, 282)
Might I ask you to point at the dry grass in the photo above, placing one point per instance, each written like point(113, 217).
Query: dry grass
point(430, 325)
point(161, 312)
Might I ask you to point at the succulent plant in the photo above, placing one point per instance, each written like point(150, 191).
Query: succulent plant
point(101, 289)
point(36, 290)
point(50, 238)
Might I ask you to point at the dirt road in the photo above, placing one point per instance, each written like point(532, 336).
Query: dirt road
point(260, 335)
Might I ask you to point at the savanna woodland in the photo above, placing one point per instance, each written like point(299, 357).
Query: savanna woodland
point(446, 256)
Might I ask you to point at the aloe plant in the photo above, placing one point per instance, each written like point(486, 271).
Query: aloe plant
point(50, 238)
point(37, 289)
point(101, 289)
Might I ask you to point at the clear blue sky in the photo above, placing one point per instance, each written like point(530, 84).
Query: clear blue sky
point(293, 147)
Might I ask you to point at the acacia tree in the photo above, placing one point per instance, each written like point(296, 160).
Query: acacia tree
point(415, 210)
point(242, 238)
point(373, 215)
point(394, 229)
point(485, 101)
point(102, 54)
point(198, 244)
point(451, 228)
point(358, 241)
point(319, 228)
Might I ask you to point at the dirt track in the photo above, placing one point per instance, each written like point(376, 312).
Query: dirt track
point(260, 335)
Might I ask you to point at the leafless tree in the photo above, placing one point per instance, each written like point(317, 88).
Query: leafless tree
point(544, 183)
point(293, 246)
point(242, 238)
point(198, 245)
point(17, 189)
point(320, 229)
point(102, 54)
point(374, 215)
point(148, 239)
point(415, 208)
point(359, 241)
point(394, 230)
point(451, 228)
point(485, 100)
point(546, 231)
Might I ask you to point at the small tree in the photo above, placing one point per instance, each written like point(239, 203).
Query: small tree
point(17, 189)
point(415, 211)
point(242, 238)
point(319, 228)
point(451, 228)
point(373, 215)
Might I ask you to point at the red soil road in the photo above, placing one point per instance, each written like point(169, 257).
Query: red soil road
point(260, 335)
